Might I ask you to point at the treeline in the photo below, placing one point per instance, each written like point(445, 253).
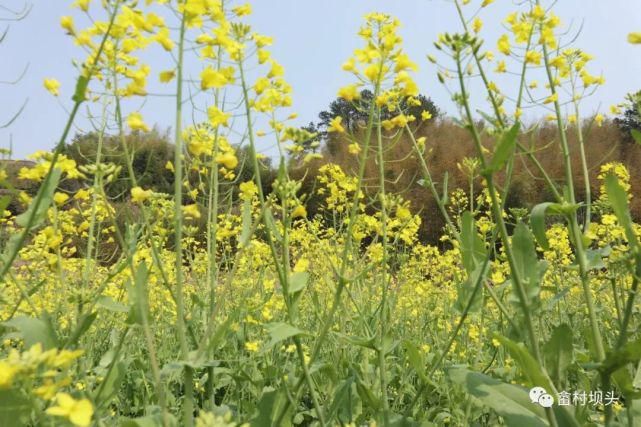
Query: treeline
point(449, 152)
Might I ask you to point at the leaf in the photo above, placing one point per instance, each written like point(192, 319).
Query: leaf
point(346, 404)
point(636, 135)
point(138, 296)
point(148, 421)
point(269, 406)
point(470, 292)
point(45, 195)
point(559, 351)
point(446, 194)
point(623, 381)
point(365, 342)
point(110, 304)
point(415, 359)
point(594, 259)
point(509, 401)
point(245, 234)
point(526, 261)
point(84, 323)
point(637, 378)
point(472, 247)
point(619, 201)
point(504, 148)
point(34, 331)
point(112, 382)
point(15, 408)
point(537, 222)
point(628, 353)
point(279, 331)
point(532, 370)
point(298, 281)
point(80, 93)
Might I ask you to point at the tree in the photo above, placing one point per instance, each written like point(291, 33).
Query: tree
point(631, 118)
point(355, 114)
point(149, 153)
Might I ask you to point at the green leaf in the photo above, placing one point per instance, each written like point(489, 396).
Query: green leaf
point(446, 194)
point(148, 421)
point(346, 404)
point(636, 135)
point(415, 359)
point(623, 380)
point(15, 408)
point(110, 304)
point(509, 401)
point(527, 263)
point(471, 290)
point(558, 352)
point(45, 195)
point(504, 148)
point(34, 331)
point(245, 234)
point(628, 353)
point(269, 407)
point(532, 370)
point(537, 222)
point(619, 201)
point(279, 331)
point(138, 296)
point(81, 89)
point(84, 323)
point(472, 248)
point(112, 383)
point(298, 281)
point(637, 378)
point(365, 342)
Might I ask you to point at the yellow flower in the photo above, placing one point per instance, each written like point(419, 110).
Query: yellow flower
point(252, 346)
point(60, 198)
point(228, 160)
point(477, 25)
point(242, 10)
point(634, 38)
point(533, 57)
point(66, 22)
point(191, 211)
point(299, 212)
point(426, 115)
point(503, 45)
point(167, 76)
point(336, 125)
point(82, 5)
point(7, 372)
point(248, 190)
point(487, 3)
point(210, 78)
point(349, 93)
point(217, 117)
point(599, 118)
point(53, 86)
point(138, 195)
point(135, 122)
point(79, 412)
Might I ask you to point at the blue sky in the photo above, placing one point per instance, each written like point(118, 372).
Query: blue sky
point(312, 39)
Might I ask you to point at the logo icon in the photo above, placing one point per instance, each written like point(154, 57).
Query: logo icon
point(541, 397)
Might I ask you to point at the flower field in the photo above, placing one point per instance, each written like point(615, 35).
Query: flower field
point(226, 302)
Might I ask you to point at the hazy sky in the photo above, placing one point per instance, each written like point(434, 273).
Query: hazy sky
point(312, 39)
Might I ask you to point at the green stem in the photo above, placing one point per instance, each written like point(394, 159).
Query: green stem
point(188, 404)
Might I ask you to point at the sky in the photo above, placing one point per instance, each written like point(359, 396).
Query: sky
point(312, 39)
